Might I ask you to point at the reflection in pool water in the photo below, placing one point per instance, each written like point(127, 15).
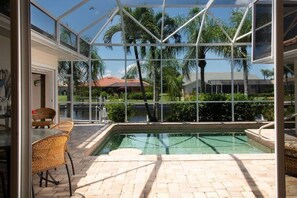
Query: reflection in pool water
point(182, 143)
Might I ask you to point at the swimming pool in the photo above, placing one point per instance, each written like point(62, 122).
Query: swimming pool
point(182, 143)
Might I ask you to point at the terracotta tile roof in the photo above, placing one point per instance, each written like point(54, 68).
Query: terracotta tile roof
point(111, 81)
point(107, 81)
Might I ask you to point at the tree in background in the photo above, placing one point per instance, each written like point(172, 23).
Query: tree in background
point(209, 34)
point(267, 73)
point(240, 53)
point(134, 34)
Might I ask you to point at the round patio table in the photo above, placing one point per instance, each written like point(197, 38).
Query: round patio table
point(41, 133)
point(5, 144)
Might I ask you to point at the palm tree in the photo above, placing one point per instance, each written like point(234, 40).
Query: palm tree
point(135, 34)
point(266, 73)
point(172, 77)
point(208, 35)
point(173, 81)
point(240, 52)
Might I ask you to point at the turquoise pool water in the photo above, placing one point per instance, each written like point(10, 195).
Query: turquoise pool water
point(181, 143)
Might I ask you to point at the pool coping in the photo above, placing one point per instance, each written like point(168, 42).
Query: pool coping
point(254, 135)
point(100, 136)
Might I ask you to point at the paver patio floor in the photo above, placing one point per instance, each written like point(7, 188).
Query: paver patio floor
point(186, 176)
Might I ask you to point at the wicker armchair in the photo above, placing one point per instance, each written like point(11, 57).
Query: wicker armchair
point(66, 127)
point(291, 158)
point(43, 117)
point(49, 153)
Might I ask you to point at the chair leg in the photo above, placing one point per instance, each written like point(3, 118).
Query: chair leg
point(53, 179)
point(69, 180)
point(46, 178)
point(40, 181)
point(71, 162)
point(33, 195)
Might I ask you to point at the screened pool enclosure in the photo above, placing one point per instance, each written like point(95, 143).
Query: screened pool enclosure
point(160, 60)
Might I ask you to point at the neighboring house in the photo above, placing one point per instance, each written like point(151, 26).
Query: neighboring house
point(117, 85)
point(220, 82)
point(110, 84)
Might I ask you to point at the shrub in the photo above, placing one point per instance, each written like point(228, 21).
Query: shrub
point(104, 94)
point(96, 92)
point(219, 111)
point(138, 95)
point(149, 95)
point(181, 112)
point(116, 112)
point(268, 111)
point(135, 95)
point(215, 112)
point(244, 111)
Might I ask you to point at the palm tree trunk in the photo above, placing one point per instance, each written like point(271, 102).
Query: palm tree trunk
point(141, 83)
point(245, 78)
point(155, 105)
point(202, 64)
point(156, 94)
point(245, 69)
point(202, 69)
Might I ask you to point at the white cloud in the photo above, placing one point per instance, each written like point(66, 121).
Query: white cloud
point(106, 75)
point(122, 71)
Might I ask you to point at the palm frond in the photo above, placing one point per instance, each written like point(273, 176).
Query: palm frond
point(107, 37)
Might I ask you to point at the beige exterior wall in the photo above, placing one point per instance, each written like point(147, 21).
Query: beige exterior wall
point(44, 59)
point(47, 64)
point(36, 94)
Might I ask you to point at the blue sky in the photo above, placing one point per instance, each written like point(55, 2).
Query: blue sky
point(116, 67)
point(94, 9)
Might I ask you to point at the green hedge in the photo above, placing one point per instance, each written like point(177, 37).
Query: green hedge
point(182, 112)
point(116, 112)
point(138, 95)
point(218, 111)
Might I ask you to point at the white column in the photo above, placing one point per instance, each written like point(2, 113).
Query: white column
point(20, 168)
point(279, 96)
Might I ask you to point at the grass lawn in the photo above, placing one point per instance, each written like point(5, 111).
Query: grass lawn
point(62, 98)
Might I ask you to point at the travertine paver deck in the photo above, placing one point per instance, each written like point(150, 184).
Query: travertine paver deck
point(161, 176)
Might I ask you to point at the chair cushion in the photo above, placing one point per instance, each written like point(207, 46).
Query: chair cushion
point(42, 123)
point(291, 148)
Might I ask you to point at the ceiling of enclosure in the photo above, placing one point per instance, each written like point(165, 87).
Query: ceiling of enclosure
point(91, 19)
